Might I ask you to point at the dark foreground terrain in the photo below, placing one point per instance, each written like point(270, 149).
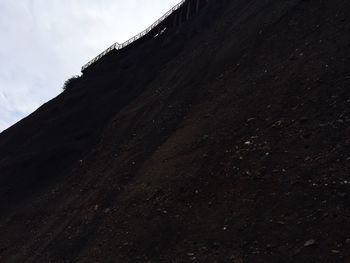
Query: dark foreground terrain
point(225, 140)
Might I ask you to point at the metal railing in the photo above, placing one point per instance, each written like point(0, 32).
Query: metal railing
point(118, 46)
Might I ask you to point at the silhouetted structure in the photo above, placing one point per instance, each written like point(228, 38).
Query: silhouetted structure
point(171, 19)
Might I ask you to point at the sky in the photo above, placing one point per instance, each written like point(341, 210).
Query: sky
point(45, 42)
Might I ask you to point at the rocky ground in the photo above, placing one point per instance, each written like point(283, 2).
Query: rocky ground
point(225, 141)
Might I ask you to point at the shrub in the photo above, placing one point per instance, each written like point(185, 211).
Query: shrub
point(69, 83)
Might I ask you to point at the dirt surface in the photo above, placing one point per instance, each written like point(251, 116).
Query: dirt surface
point(225, 140)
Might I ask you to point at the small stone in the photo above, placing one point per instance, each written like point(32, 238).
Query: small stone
point(347, 241)
point(310, 242)
point(277, 123)
point(248, 143)
point(335, 251)
point(307, 158)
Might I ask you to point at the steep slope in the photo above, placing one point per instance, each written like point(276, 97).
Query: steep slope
point(224, 140)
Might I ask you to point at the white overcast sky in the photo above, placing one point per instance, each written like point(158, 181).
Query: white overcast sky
point(45, 42)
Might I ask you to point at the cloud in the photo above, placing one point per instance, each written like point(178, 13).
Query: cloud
point(43, 43)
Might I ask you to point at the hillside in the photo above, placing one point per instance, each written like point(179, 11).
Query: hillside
point(225, 139)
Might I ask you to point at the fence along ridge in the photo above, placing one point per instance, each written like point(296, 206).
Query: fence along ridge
point(118, 46)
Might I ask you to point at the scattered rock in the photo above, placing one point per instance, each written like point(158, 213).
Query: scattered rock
point(309, 243)
point(307, 158)
point(277, 123)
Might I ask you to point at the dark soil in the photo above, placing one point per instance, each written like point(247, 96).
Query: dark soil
point(223, 140)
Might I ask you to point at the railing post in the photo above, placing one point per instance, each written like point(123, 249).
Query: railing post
point(188, 10)
point(179, 15)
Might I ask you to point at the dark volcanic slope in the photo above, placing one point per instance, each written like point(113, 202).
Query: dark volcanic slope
point(225, 140)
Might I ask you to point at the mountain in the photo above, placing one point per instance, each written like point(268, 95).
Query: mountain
point(222, 136)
